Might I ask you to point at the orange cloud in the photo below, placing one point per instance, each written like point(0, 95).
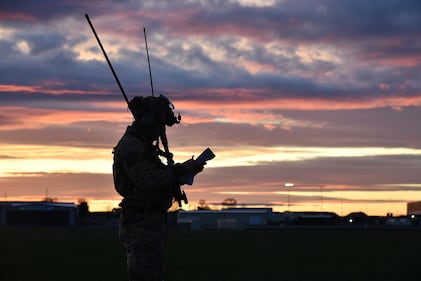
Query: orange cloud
point(31, 118)
point(16, 16)
point(245, 100)
point(37, 89)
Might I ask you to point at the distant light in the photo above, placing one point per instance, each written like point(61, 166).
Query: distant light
point(289, 184)
point(350, 220)
point(412, 216)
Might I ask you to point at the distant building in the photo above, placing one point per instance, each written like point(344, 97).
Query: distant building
point(231, 218)
point(413, 208)
point(38, 213)
point(311, 218)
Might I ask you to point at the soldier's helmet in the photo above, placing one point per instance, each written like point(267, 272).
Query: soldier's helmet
point(153, 110)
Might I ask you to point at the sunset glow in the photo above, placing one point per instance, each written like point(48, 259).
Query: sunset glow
point(282, 91)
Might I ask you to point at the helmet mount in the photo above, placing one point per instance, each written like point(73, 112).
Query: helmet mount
point(156, 111)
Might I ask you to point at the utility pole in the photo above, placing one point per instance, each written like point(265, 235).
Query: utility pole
point(290, 184)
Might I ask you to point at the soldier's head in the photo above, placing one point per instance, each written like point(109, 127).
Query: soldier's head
point(153, 113)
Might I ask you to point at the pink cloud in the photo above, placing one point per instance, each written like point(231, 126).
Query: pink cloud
point(246, 99)
point(16, 17)
point(45, 89)
point(18, 117)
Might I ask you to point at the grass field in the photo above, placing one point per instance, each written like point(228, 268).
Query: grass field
point(95, 254)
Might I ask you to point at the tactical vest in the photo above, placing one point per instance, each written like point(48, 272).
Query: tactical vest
point(135, 196)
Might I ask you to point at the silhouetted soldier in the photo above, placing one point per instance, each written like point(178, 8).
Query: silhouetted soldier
point(147, 185)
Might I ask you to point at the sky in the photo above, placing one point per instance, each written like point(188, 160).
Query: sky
point(323, 94)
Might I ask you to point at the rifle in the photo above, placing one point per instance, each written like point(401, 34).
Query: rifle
point(178, 194)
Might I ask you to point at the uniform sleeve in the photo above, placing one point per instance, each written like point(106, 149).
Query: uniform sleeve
point(148, 173)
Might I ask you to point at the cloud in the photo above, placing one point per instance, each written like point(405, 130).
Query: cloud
point(247, 77)
point(212, 61)
point(377, 173)
point(60, 185)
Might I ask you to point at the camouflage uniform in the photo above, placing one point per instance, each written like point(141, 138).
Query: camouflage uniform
point(147, 185)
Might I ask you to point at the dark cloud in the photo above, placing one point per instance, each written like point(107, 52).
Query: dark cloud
point(6, 157)
point(7, 120)
point(286, 19)
point(387, 173)
point(100, 134)
point(63, 101)
point(350, 128)
point(48, 10)
point(306, 21)
point(384, 128)
point(369, 128)
point(194, 68)
point(221, 54)
point(44, 42)
point(63, 186)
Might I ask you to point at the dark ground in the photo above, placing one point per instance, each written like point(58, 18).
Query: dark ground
point(84, 253)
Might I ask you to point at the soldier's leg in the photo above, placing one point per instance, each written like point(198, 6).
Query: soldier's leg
point(145, 249)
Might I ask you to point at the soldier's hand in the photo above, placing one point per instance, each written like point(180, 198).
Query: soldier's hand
point(190, 166)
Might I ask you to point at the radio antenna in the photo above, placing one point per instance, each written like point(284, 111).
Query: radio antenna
point(149, 62)
point(108, 60)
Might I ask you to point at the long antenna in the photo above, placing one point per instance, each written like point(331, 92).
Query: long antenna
point(149, 62)
point(108, 60)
